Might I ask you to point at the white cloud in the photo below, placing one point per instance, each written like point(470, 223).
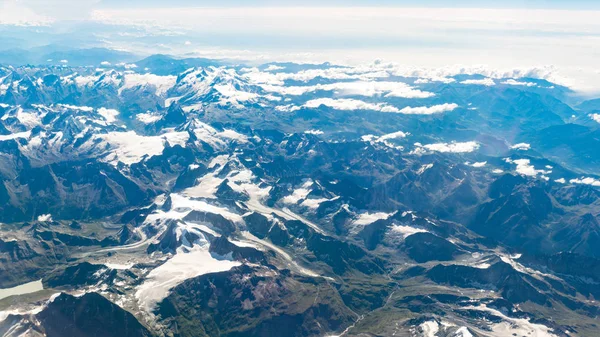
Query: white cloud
point(560, 180)
point(385, 139)
point(110, 115)
point(525, 168)
point(314, 132)
point(287, 108)
point(17, 14)
point(44, 217)
point(359, 88)
point(477, 164)
point(61, 9)
point(585, 181)
point(519, 83)
point(148, 117)
point(552, 37)
point(274, 67)
point(454, 147)
point(485, 81)
point(423, 110)
point(521, 146)
point(127, 65)
point(595, 117)
point(434, 79)
point(394, 135)
point(349, 104)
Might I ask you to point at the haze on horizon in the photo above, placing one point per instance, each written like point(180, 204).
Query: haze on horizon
point(560, 38)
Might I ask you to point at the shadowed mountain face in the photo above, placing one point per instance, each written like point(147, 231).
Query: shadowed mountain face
point(185, 198)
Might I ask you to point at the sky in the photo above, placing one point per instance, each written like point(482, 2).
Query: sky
point(561, 37)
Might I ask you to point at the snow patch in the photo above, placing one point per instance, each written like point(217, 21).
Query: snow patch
point(185, 264)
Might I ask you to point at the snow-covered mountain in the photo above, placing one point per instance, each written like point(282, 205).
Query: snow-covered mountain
point(295, 200)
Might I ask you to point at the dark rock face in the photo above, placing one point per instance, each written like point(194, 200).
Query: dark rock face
point(90, 315)
point(342, 256)
point(224, 225)
point(222, 247)
point(258, 224)
point(82, 274)
point(424, 247)
point(234, 305)
point(513, 286)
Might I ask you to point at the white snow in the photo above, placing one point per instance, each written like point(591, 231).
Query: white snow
point(368, 218)
point(232, 135)
point(514, 326)
point(298, 194)
point(185, 264)
point(162, 84)
point(424, 168)
point(233, 96)
point(129, 147)
point(76, 107)
point(407, 231)
point(24, 134)
point(29, 120)
point(429, 328)
point(214, 138)
point(463, 332)
point(148, 117)
point(182, 206)
point(313, 203)
point(119, 266)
